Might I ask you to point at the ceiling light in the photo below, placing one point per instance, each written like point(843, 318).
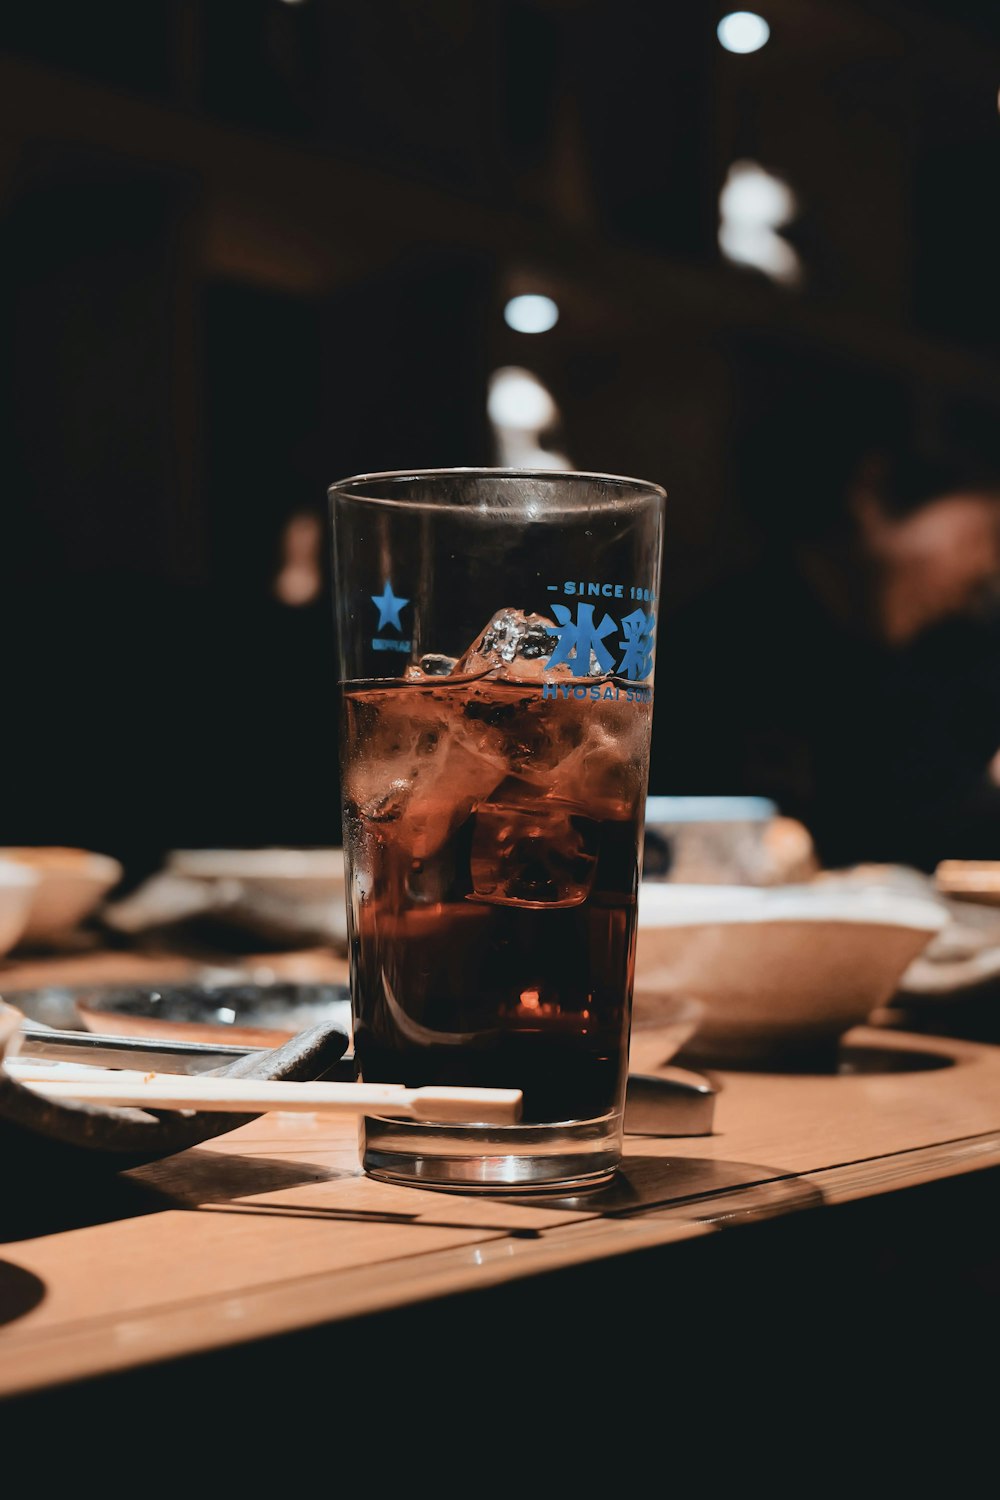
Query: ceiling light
point(754, 206)
point(518, 399)
point(531, 313)
point(743, 31)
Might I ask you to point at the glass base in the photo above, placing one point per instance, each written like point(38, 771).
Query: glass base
point(570, 1156)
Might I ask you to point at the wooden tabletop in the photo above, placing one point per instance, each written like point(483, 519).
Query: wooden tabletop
point(273, 1228)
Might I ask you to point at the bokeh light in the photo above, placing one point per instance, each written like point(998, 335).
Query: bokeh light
point(743, 31)
point(531, 313)
point(518, 399)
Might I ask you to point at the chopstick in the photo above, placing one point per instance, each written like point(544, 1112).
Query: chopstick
point(438, 1105)
point(32, 1070)
point(44, 1045)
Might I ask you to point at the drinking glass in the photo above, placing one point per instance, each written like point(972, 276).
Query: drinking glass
point(496, 633)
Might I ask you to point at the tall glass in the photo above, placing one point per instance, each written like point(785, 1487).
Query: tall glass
point(496, 644)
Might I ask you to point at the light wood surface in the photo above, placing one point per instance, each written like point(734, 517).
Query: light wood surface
point(273, 1228)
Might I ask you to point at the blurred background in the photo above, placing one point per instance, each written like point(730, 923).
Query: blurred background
point(252, 246)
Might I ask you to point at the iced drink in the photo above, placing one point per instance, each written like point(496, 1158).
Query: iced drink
point(492, 813)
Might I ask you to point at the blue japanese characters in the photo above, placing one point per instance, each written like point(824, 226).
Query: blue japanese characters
point(583, 642)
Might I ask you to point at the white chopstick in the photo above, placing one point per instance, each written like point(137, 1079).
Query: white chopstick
point(37, 1070)
point(251, 1096)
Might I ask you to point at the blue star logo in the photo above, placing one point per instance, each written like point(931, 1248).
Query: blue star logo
point(388, 608)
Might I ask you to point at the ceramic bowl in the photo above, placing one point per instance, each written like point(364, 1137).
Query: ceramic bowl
point(782, 973)
point(662, 1023)
point(18, 884)
point(70, 884)
point(298, 890)
point(724, 841)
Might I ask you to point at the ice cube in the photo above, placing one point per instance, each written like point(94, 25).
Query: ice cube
point(531, 735)
point(422, 772)
point(532, 850)
point(403, 734)
point(432, 664)
point(447, 788)
point(387, 806)
point(599, 768)
point(512, 645)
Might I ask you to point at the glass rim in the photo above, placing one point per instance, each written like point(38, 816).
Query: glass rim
point(349, 488)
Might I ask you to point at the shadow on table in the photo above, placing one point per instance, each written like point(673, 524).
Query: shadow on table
point(420, 1218)
point(34, 1206)
point(973, 1015)
point(871, 1058)
point(648, 1182)
point(216, 1181)
point(20, 1291)
point(846, 1061)
point(197, 1176)
point(642, 1183)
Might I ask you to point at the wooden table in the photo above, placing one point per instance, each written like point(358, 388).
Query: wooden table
point(272, 1228)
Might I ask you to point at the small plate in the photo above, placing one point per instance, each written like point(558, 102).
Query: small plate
point(251, 1015)
point(39, 1135)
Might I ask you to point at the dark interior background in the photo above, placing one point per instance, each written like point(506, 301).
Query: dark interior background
point(250, 246)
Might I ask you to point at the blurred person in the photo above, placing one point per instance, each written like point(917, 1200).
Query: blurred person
point(852, 671)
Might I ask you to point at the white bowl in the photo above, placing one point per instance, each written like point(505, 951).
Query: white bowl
point(293, 888)
point(18, 884)
point(661, 1025)
point(781, 972)
point(309, 872)
point(69, 885)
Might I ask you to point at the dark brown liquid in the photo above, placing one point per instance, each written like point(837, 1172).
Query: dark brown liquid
point(493, 841)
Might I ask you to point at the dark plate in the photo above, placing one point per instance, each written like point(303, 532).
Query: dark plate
point(40, 1136)
point(251, 1015)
